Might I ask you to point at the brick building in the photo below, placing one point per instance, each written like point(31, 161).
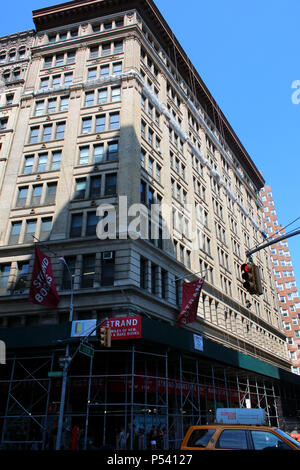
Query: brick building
point(288, 295)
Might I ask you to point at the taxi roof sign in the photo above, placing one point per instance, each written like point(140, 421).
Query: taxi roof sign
point(254, 416)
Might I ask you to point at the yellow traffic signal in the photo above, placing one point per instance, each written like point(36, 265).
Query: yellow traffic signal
point(251, 276)
point(105, 336)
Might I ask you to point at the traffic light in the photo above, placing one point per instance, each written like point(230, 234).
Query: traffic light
point(105, 336)
point(251, 276)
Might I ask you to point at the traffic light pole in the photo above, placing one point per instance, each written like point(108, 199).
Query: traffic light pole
point(249, 253)
point(67, 361)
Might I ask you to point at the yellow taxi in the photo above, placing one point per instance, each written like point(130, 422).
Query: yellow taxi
point(237, 437)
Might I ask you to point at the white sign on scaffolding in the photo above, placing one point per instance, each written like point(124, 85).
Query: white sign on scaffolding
point(83, 327)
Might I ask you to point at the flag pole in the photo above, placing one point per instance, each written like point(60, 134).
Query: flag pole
point(66, 361)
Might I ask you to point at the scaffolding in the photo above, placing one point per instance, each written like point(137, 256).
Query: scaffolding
point(131, 389)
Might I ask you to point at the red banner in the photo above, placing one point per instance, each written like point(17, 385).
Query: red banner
point(190, 298)
point(125, 327)
point(42, 289)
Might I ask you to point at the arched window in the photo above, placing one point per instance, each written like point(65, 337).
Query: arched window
point(12, 55)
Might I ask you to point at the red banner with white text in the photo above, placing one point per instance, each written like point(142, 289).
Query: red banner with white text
point(190, 298)
point(42, 289)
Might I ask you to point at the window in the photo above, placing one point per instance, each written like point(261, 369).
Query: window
point(153, 278)
point(102, 96)
point(200, 437)
point(56, 158)
point(143, 158)
point(105, 50)
point(68, 78)
point(68, 274)
point(150, 165)
point(143, 192)
point(33, 135)
point(80, 187)
point(76, 225)
point(91, 223)
point(83, 155)
point(44, 83)
point(118, 47)
point(104, 70)
point(114, 121)
point(15, 233)
point(115, 94)
point(100, 123)
point(110, 184)
point(22, 196)
point(4, 275)
point(108, 268)
point(47, 131)
point(46, 226)
point(89, 98)
point(51, 106)
point(263, 440)
point(143, 273)
point(22, 276)
point(112, 151)
point(16, 75)
point(50, 193)
point(95, 187)
point(143, 129)
point(98, 153)
point(36, 194)
point(28, 166)
point(94, 52)
point(107, 26)
point(9, 99)
point(39, 108)
point(60, 130)
point(164, 283)
point(232, 439)
point(30, 229)
point(86, 125)
point(117, 67)
point(42, 162)
point(92, 73)
point(64, 103)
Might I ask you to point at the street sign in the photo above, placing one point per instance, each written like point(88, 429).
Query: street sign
point(58, 373)
point(87, 350)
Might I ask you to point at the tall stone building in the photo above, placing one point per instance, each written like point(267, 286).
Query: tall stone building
point(109, 113)
point(287, 291)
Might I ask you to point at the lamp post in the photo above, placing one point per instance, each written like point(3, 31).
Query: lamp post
point(66, 361)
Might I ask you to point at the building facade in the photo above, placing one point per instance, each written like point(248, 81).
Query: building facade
point(287, 292)
point(110, 121)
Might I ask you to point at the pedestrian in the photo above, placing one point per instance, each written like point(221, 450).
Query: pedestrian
point(122, 440)
point(153, 437)
point(141, 439)
point(159, 437)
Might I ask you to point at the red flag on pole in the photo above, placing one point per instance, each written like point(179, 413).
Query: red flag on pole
point(42, 289)
point(190, 298)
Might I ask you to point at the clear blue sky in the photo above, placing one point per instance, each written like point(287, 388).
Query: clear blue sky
point(247, 53)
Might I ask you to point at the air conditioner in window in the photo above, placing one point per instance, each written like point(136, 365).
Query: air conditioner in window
point(159, 150)
point(107, 255)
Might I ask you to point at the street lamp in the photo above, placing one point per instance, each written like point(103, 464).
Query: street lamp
point(66, 361)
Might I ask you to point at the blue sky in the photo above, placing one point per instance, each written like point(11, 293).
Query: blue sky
point(247, 53)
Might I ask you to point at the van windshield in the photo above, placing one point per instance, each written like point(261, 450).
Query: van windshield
point(287, 436)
